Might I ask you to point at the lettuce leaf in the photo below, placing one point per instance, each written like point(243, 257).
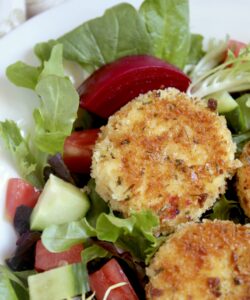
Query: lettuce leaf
point(59, 103)
point(134, 234)
point(167, 22)
point(58, 238)
point(215, 53)
point(239, 121)
point(244, 107)
point(29, 166)
point(97, 204)
point(241, 139)
point(225, 209)
point(89, 254)
point(57, 112)
point(11, 287)
point(231, 76)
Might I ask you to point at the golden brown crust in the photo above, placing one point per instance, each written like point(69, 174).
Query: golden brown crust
point(207, 260)
point(243, 180)
point(165, 152)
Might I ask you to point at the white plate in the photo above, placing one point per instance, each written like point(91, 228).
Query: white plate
point(212, 18)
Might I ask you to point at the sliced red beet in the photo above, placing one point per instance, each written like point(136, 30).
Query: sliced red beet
point(114, 84)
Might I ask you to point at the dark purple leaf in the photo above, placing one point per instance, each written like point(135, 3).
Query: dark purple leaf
point(24, 256)
point(22, 219)
point(59, 168)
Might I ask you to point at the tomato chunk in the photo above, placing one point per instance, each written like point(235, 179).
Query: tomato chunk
point(111, 273)
point(235, 47)
point(19, 192)
point(114, 84)
point(78, 148)
point(46, 260)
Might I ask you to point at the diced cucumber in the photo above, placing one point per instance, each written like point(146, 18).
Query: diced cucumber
point(57, 284)
point(60, 202)
point(235, 120)
point(225, 102)
point(239, 118)
point(244, 106)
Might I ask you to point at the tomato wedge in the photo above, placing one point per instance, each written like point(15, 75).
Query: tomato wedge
point(78, 148)
point(114, 84)
point(111, 273)
point(46, 260)
point(19, 192)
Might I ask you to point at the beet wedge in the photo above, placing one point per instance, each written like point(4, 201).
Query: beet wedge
point(115, 84)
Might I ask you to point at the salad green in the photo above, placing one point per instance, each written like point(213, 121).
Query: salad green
point(53, 119)
point(159, 28)
point(29, 165)
point(134, 234)
point(232, 76)
point(167, 23)
point(12, 287)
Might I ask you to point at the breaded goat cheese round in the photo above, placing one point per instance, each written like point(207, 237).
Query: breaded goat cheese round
point(163, 152)
point(207, 261)
point(243, 180)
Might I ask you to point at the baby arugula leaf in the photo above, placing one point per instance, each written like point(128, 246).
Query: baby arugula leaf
point(59, 102)
point(23, 75)
point(54, 65)
point(167, 22)
point(43, 50)
point(54, 118)
point(119, 32)
point(196, 49)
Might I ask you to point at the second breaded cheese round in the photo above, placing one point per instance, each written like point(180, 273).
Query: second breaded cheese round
point(207, 261)
point(243, 180)
point(165, 152)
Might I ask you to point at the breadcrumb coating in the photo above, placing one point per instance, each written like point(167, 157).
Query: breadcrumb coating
point(206, 261)
point(165, 152)
point(243, 180)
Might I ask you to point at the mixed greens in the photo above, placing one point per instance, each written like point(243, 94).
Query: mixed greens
point(159, 28)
